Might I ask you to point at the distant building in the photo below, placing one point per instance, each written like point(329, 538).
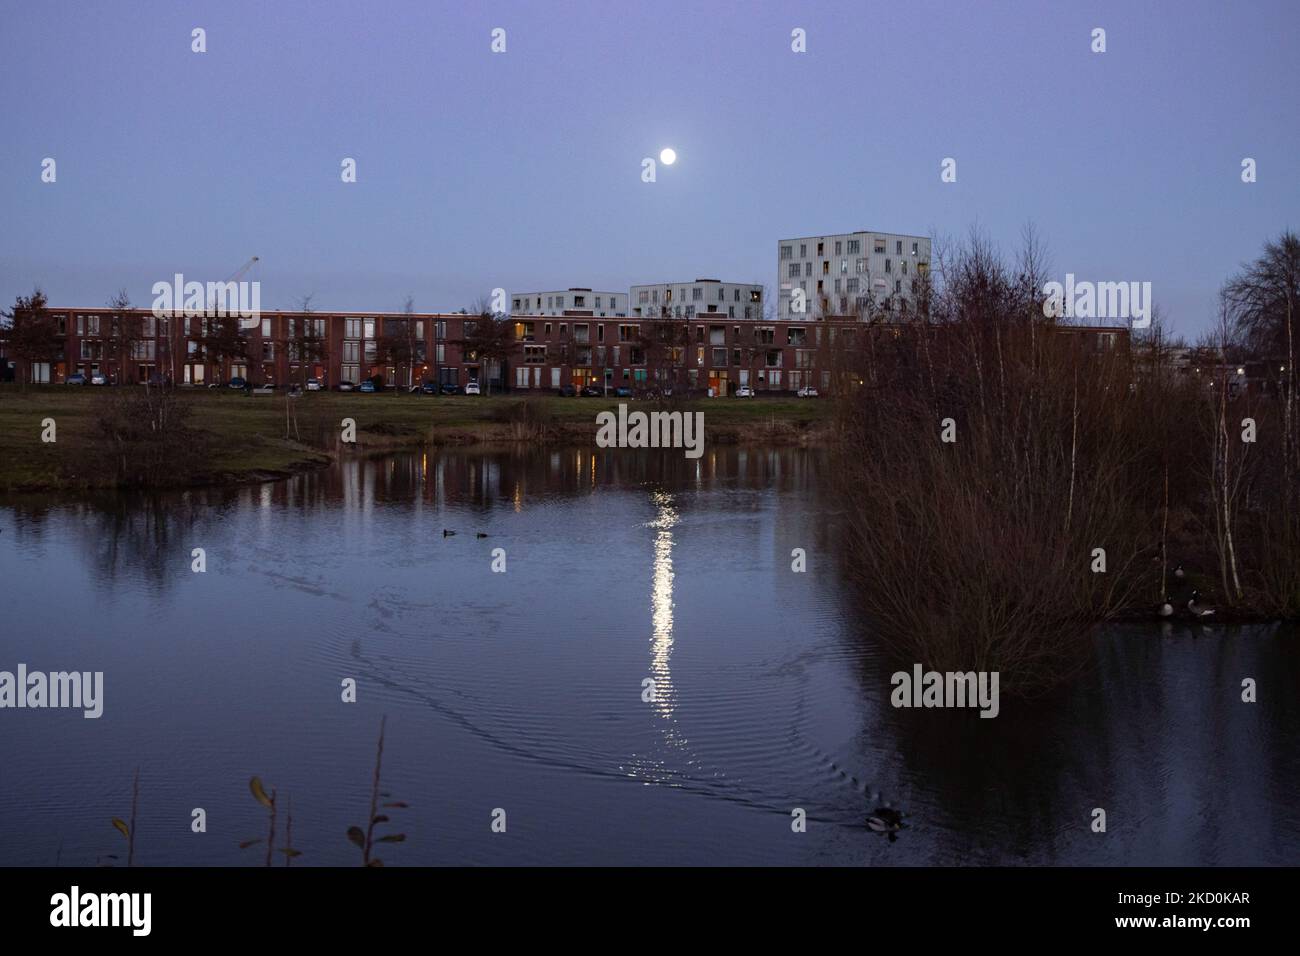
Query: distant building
point(574, 301)
point(851, 274)
point(686, 300)
point(711, 350)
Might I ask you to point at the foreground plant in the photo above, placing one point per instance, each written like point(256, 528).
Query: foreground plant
point(128, 829)
point(268, 800)
point(365, 839)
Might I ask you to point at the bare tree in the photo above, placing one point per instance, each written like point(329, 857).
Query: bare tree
point(1261, 303)
point(225, 340)
point(308, 342)
point(666, 344)
point(1226, 472)
point(31, 332)
point(489, 338)
point(125, 332)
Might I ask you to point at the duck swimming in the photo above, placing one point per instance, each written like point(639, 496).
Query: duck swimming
point(1179, 573)
point(885, 819)
point(446, 533)
point(1166, 609)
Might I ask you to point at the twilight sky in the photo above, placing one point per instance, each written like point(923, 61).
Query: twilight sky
point(522, 169)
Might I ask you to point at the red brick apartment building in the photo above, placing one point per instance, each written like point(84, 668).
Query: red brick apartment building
point(707, 351)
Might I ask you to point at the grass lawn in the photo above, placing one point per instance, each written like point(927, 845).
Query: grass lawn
point(248, 433)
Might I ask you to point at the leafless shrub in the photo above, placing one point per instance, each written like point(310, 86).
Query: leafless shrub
point(980, 552)
point(142, 434)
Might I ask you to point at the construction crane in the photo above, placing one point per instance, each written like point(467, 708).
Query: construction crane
point(237, 274)
point(244, 268)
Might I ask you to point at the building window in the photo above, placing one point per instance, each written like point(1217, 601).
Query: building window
point(787, 252)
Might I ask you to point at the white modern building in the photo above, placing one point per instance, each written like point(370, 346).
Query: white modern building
point(686, 300)
point(850, 274)
point(569, 302)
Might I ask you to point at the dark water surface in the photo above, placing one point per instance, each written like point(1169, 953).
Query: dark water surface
point(523, 690)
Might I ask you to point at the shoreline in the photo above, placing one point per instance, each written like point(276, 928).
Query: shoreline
point(241, 438)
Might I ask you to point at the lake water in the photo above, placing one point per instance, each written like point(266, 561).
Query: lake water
point(523, 690)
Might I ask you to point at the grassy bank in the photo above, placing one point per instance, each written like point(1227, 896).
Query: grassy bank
point(241, 437)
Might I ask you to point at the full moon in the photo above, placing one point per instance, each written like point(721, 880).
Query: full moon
point(668, 156)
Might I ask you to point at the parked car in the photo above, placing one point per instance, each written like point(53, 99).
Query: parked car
point(429, 388)
point(744, 391)
point(314, 385)
point(346, 386)
point(566, 391)
point(238, 382)
point(592, 390)
point(472, 388)
point(98, 378)
point(368, 387)
point(266, 388)
point(622, 392)
point(807, 392)
point(450, 388)
point(76, 378)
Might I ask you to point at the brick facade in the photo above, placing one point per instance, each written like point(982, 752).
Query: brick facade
point(710, 351)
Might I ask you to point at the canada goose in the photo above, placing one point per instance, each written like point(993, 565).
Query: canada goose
point(446, 533)
point(1179, 573)
point(1166, 609)
point(1197, 610)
